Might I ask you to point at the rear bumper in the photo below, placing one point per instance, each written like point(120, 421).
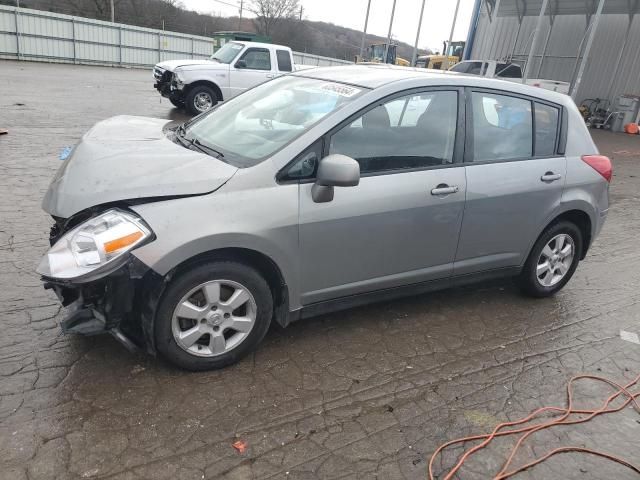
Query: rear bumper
point(602, 217)
point(112, 304)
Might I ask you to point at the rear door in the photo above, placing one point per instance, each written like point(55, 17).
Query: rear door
point(515, 177)
point(400, 225)
point(254, 66)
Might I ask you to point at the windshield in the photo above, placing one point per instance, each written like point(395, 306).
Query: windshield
point(227, 53)
point(256, 124)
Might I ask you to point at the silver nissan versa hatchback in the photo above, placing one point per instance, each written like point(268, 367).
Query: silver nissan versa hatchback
point(322, 190)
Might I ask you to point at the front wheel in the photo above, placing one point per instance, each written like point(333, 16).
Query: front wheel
point(177, 102)
point(213, 315)
point(200, 99)
point(552, 261)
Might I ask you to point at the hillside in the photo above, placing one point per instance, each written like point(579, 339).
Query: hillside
point(318, 38)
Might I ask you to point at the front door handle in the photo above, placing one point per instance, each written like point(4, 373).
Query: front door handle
point(444, 189)
point(550, 177)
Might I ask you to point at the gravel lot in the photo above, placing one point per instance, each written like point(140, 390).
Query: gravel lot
point(367, 393)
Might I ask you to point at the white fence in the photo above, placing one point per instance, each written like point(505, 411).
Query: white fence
point(27, 34)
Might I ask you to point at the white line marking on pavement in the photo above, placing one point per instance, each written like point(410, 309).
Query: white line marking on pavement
point(630, 337)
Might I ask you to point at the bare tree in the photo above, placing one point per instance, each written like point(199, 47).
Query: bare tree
point(270, 12)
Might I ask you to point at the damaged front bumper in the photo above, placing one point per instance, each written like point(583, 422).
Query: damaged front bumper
point(113, 304)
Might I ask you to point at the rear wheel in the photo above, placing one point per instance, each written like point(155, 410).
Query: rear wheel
point(552, 261)
point(200, 99)
point(213, 315)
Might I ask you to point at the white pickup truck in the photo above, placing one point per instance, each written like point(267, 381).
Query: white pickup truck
point(198, 85)
point(506, 71)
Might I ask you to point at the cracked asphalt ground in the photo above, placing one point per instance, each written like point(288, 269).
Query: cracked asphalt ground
point(366, 393)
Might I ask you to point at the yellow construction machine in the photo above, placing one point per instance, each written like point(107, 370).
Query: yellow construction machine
point(451, 56)
point(375, 54)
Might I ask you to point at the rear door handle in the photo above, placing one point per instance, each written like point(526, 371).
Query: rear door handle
point(271, 75)
point(550, 177)
point(444, 189)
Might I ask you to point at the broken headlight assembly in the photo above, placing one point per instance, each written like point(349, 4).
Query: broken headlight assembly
point(96, 244)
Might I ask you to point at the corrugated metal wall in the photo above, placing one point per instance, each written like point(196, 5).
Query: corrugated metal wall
point(53, 37)
point(500, 39)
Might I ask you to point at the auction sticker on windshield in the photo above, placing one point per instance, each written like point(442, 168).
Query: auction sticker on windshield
point(340, 89)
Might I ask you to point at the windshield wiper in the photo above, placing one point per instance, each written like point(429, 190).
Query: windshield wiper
point(206, 148)
point(195, 144)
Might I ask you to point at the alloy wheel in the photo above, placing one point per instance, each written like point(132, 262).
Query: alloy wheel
point(555, 260)
point(202, 101)
point(213, 318)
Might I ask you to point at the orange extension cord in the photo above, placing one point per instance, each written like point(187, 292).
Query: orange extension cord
point(563, 419)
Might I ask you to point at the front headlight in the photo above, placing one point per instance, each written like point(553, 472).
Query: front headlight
point(179, 78)
point(93, 244)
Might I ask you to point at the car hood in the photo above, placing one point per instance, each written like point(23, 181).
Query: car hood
point(128, 158)
point(171, 65)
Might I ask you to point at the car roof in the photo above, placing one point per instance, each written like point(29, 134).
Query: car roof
point(374, 76)
point(259, 44)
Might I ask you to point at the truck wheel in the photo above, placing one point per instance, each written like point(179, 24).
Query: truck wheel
point(213, 315)
point(200, 99)
point(177, 102)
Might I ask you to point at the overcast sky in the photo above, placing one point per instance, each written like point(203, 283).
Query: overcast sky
point(436, 24)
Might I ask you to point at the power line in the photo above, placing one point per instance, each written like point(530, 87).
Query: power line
point(227, 3)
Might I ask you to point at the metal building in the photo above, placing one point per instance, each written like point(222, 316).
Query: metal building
point(593, 44)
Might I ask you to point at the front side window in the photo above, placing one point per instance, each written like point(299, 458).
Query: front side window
point(284, 61)
point(502, 127)
point(257, 123)
point(227, 52)
point(413, 131)
point(257, 59)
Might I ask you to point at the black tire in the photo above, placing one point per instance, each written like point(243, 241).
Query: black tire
point(190, 279)
point(190, 100)
point(528, 279)
point(177, 102)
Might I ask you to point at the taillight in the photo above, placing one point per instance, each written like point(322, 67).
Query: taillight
point(600, 164)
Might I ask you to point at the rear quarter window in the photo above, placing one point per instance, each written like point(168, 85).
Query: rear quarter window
point(284, 61)
point(547, 124)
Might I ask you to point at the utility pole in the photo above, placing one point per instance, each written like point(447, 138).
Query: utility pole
point(386, 47)
point(453, 27)
point(240, 19)
point(18, 3)
point(301, 7)
point(113, 12)
point(364, 34)
point(415, 45)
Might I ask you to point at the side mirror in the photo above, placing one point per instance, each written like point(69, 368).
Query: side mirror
point(241, 64)
point(334, 171)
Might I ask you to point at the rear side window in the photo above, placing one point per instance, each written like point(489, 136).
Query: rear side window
point(471, 68)
point(547, 121)
point(505, 70)
point(502, 127)
point(284, 61)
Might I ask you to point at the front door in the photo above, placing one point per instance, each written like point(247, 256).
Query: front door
point(256, 67)
point(400, 225)
point(514, 180)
